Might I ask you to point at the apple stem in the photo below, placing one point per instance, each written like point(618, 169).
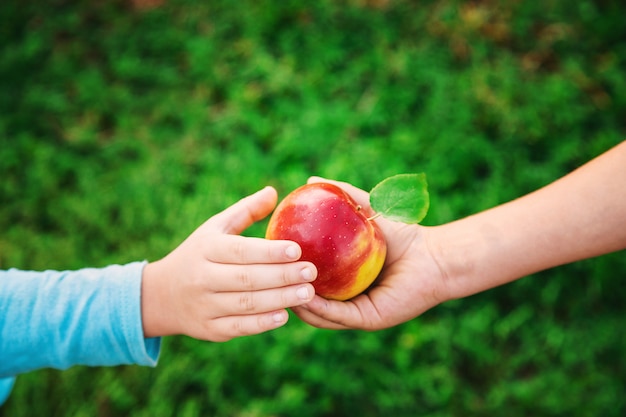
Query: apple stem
point(375, 216)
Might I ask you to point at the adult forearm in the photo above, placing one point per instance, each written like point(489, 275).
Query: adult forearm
point(581, 215)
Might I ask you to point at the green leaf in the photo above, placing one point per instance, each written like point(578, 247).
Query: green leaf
point(402, 198)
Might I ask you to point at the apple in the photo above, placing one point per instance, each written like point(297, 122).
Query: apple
point(336, 234)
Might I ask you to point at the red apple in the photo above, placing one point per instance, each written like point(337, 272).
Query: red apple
point(335, 234)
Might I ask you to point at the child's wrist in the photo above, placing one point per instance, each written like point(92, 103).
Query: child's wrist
point(152, 317)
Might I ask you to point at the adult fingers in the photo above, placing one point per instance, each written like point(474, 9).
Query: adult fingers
point(360, 196)
point(316, 321)
point(358, 313)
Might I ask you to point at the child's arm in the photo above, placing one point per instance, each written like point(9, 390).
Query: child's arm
point(214, 286)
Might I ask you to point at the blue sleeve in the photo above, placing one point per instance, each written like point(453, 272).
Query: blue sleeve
point(5, 388)
point(57, 319)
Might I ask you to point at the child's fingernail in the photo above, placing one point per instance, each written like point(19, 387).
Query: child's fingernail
point(306, 274)
point(278, 317)
point(292, 252)
point(303, 293)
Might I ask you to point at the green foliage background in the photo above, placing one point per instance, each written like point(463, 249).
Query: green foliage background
point(121, 130)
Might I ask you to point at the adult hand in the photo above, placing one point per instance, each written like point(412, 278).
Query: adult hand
point(578, 216)
point(410, 283)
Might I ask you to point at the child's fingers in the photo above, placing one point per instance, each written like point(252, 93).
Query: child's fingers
point(238, 217)
point(242, 250)
point(255, 302)
point(237, 278)
point(226, 328)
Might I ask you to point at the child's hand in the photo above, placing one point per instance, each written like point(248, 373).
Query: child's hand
point(217, 285)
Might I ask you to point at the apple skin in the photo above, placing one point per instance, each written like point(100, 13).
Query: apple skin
point(335, 234)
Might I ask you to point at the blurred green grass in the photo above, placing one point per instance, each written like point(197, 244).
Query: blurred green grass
point(122, 130)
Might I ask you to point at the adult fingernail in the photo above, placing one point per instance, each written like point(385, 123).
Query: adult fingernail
point(306, 274)
point(292, 252)
point(303, 293)
point(314, 178)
